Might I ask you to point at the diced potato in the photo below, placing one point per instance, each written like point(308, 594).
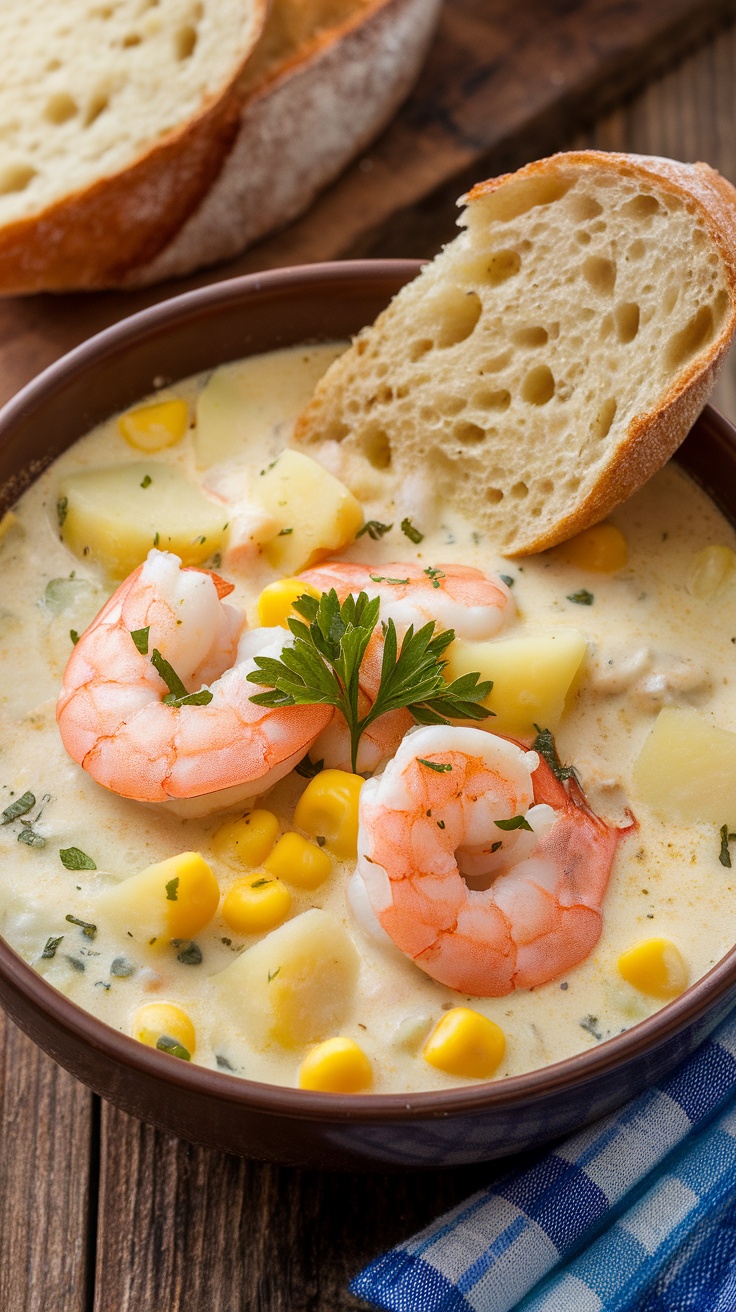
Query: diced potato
point(118, 513)
point(531, 677)
point(172, 899)
point(316, 512)
point(247, 400)
point(296, 986)
point(711, 569)
point(686, 770)
point(601, 549)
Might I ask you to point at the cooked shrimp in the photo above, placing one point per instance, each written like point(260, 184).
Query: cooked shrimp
point(114, 723)
point(482, 909)
point(455, 596)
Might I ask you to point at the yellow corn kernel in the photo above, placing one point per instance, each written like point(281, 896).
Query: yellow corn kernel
point(256, 904)
point(328, 807)
point(247, 841)
point(656, 967)
point(276, 602)
point(601, 549)
point(299, 862)
point(466, 1044)
point(6, 523)
point(165, 1026)
point(153, 427)
point(710, 571)
point(336, 1066)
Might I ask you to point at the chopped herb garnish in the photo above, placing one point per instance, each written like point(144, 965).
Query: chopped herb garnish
point(171, 889)
point(273, 973)
point(223, 1062)
point(216, 560)
point(122, 968)
point(74, 636)
point(140, 638)
point(177, 694)
point(156, 539)
point(516, 822)
point(51, 946)
point(724, 855)
point(62, 507)
point(507, 579)
point(18, 808)
point(591, 1025)
point(73, 858)
point(261, 883)
point(495, 846)
point(191, 955)
point(146, 481)
point(435, 575)
point(412, 533)
point(544, 743)
point(380, 578)
point(440, 824)
point(76, 964)
point(284, 532)
point(173, 1047)
point(438, 766)
point(89, 931)
point(323, 667)
point(374, 528)
point(226, 941)
point(103, 984)
point(29, 836)
point(308, 769)
point(320, 839)
point(581, 598)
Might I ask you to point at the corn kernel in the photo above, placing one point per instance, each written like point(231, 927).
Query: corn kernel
point(328, 807)
point(602, 549)
point(656, 967)
point(336, 1066)
point(276, 602)
point(165, 1026)
point(299, 862)
point(256, 904)
point(6, 523)
point(466, 1044)
point(710, 571)
point(246, 842)
point(153, 427)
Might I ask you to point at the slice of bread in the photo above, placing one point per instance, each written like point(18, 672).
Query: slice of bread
point(555, 354)
point(115, 118)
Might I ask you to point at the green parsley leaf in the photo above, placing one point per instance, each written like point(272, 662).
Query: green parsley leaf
point(323, 666)
point(19, 807)
point(177, 695)
point(412, 533)
point(273, 974)
point(582, 598)
point(435, 765)
point(374, 528)
point(73, 858)
point(140, 638)
point(380, 578)
point(156, 539)
point(435, 575)
point(89, 931)
point(62, 508)
point(507, 579)
point(191, 955)
point(309, 769)
point(495, 846)
point(51, 946)
point(724, 855)
point(284, 532)
point(121, 968)
point(516, 822)
point(76, 964)
point(171, 889)
point(173, 1047)
point(261, 883)
point(544, 743)
point(74, 636)
point(29, 836)
point(147, 480)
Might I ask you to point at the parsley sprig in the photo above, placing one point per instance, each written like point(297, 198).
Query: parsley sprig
point(323, 667)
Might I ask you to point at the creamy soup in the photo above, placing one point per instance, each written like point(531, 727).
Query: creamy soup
point(646, 625)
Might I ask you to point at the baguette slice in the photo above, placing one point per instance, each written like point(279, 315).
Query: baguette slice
point(115, 118)
point(555, 354)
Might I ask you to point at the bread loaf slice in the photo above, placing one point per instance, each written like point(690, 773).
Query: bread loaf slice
point(555, 354)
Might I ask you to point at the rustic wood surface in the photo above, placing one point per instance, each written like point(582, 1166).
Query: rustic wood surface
point(97, 1212)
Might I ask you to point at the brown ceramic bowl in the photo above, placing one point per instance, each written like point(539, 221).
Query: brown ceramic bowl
point(448, 1128)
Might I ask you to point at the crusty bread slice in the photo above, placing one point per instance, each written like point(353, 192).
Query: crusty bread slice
point(555, 354)
point(115, 117)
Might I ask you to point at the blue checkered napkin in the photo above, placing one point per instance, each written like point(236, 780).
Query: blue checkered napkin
point(491, 1252)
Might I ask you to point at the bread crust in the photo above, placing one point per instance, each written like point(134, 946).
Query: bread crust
point(651, 438)
point(92, 237)
point(299, 130)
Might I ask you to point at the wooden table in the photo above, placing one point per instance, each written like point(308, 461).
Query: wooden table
point(96, 1210)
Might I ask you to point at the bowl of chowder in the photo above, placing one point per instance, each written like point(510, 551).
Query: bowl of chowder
point(459, 879)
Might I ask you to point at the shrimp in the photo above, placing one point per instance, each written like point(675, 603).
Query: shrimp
point(114, 723)
point(454, 596)
point(482, 909)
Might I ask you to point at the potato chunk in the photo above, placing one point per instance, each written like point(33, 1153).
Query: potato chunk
point(118, 513)
point(296, 986)
point(531, 677)
point(316, 512)
point(686, 769)
point(172, 899)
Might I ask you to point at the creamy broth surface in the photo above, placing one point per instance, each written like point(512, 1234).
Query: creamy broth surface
point(651, 642)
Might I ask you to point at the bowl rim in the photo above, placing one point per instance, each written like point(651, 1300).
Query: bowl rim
point(524, 1089)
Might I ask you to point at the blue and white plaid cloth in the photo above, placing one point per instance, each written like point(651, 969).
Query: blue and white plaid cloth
point(636, 1213)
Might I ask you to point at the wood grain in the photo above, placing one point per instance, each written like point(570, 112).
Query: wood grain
point(47, 1159)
